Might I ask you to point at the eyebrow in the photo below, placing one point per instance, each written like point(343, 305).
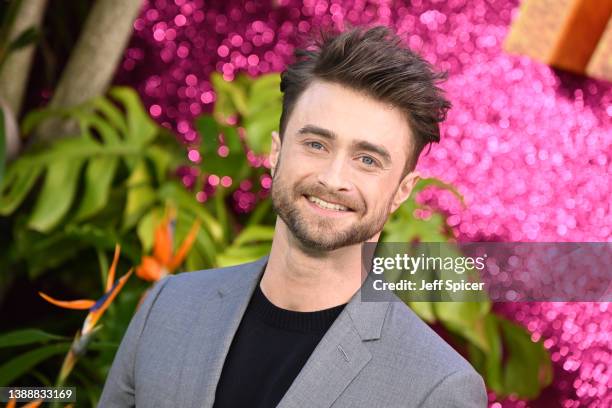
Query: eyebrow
point(360, 144)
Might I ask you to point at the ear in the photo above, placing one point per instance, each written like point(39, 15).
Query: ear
point(404, 189)
point(275, 149)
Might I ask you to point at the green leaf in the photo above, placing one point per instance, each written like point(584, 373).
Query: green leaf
point(206, 249)
point(221, 211)
point(98, 180)
point(39, 251)
point(429, 182)
point(57, 194)
point(195, 261)
point(89, 120)
point(42, 379)
point(261, 210)
point(231, 97)
point(33, 118)
point(209, 130)
point(18, 366)
point(265, 92)
point(424, 310)
point(465, 319)
point(103, 266)
point(141, 195)
point(265, 107)
point(103, 345)
point(27, 336)
point(528, 368)
point(223, 166)
point(112, 114)
point(94, 235)
point(254, 233)
point(259, 128)
point(493, 364)
point(25, 38)
point(203, 244)
point(77, 148)
point(237, 255)
point(232, 140)
point(185, 201)
point(161, 160)
point(141, 128)
point(404, 227)
point(146, 228)
point(90, 389)
point(18, 182)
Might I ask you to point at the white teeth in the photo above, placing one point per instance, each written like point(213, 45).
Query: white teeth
point(326, 205)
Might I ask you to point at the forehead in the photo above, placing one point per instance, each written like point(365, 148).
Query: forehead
point(353, 115)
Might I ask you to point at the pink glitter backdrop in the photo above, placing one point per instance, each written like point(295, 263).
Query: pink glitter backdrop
point(528, 147)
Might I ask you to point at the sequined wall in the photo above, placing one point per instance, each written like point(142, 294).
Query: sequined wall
point(528, 147)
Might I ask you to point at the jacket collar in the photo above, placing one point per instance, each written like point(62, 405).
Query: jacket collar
point(338, 358)
point(367, 317)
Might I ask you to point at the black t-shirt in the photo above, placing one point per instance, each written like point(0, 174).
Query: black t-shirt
point(268, 351)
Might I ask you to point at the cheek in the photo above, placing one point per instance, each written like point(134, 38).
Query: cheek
point(376, 198)
point(289, 174)
point(298, 164)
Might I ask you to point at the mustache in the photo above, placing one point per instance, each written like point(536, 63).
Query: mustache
point(323, 194)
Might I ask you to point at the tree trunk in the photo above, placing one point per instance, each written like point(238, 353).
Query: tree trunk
point(14, 75)
point(16, 70)
point(92, 63)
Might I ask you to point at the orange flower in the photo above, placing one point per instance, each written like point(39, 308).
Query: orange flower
point(96, 308)
point(33, 404)
point(163, 261)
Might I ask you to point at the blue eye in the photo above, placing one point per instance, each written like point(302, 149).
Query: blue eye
point(315, 145)
point(367, 160)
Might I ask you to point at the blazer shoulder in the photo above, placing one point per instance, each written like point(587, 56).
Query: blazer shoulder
point(210, 281)
point(411, 362)
point(416, 339)
point(184, 297)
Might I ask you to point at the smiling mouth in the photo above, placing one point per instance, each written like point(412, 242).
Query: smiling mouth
point(327, 205)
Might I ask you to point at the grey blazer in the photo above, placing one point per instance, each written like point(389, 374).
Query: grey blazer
point(376, 354)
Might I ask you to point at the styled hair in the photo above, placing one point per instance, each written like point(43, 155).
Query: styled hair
point(372, 61)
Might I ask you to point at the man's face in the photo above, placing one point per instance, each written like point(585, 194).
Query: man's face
point(338, 175)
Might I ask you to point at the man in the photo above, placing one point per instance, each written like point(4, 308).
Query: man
point(289, 330)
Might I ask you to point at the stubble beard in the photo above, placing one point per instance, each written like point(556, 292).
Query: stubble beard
point(320, 233)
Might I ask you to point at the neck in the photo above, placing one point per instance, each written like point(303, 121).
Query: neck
point(303, 280)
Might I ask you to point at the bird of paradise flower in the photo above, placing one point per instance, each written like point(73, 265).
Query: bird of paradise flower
point(164, 261)
point(12, 403)
point(96, 310)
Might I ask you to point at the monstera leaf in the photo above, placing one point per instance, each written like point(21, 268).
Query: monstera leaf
point(86, 163)
point(255, 103)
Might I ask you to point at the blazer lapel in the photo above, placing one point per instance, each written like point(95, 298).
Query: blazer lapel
point(208, 345)
point(339, 357)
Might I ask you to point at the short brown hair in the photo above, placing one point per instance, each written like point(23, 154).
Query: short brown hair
point(372, 61)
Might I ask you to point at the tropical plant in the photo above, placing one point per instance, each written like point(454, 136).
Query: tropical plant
point(502, 351)
point(96, 310)
point(164, 259)
point(70, 201)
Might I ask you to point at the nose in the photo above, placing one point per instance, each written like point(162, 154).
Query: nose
point(334, 175)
